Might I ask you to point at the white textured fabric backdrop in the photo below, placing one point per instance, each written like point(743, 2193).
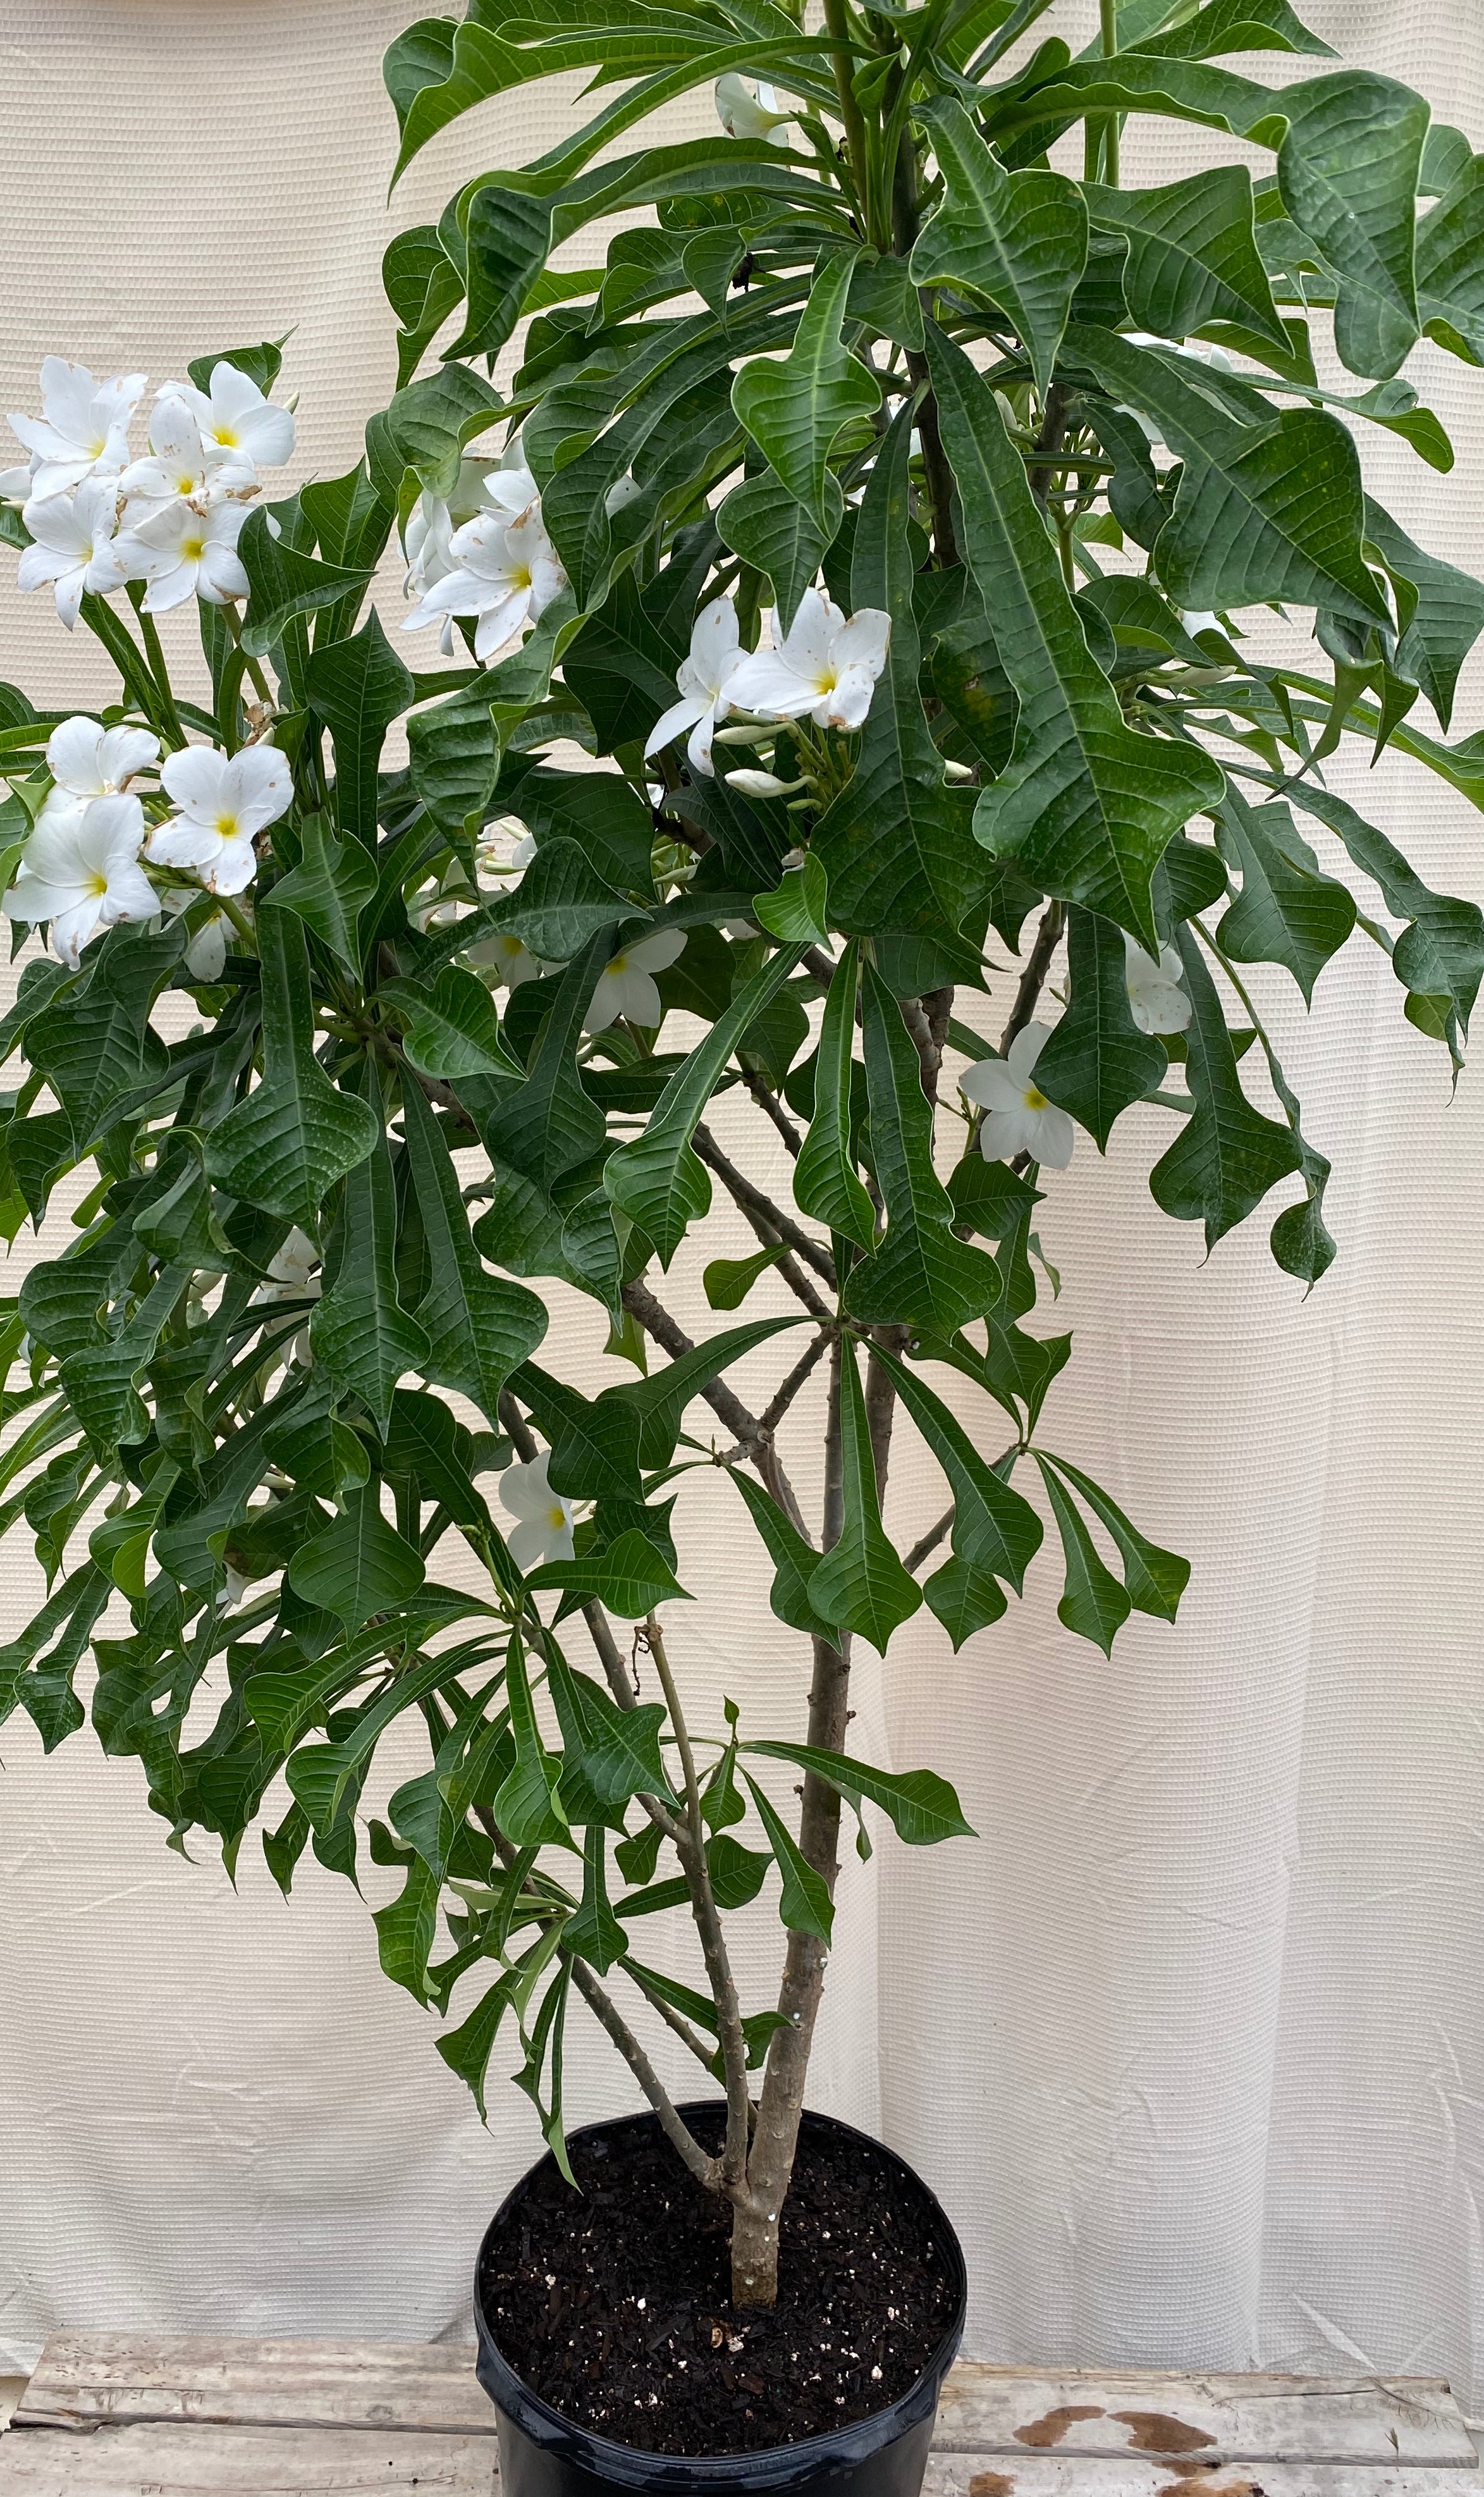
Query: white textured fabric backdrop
point(1192, 2041)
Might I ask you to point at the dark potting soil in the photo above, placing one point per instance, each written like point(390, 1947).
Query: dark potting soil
point(614, 2303)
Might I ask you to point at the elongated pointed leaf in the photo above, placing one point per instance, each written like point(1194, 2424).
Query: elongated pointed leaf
point(359, 1330)
point(359, 1566)
point(454, 751)
point(551, 1125)
point(794, 1561)
point(296, 1133)
point(1098, 1063)
point(329, 889)
point(826, 1184)
point(795, 408)
point(1192, 256)
point(1288, 912)
point(359, 688)
point(1087, 806)
point(995, 1531)
point(921, 1275)
point(860, 1584)
point(1092, 1603)
point(656, 1180)
point(284, 583)
point(804, 1904)
point(1347, 170)
point(1154, 1580)
point(479, 1326)
point(629, 1578)
point(1450, 261)
point(594, 1441)
point(1020, 238)
point(660, 1401)
point(764, 523)
point(1227, 1155)
point(923, 1808)
point(1449, 614)
point(1441, 952)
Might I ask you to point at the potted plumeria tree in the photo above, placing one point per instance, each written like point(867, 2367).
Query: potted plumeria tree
point(862, 583)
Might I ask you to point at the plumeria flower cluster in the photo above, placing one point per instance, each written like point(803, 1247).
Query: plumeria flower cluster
point(484, 554)
point(1018, 1118)
point(82, 870)
point(99, 517)
point(825, 669)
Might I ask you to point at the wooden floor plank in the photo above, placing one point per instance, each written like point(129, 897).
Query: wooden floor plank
point(1048, 2475)
point(1411, 2420)
point(180, 2460)
point(85, 2377)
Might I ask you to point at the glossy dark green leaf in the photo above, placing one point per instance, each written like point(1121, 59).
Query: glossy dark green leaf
point(963, 1599)
point(1087, 806)
point(594, 1933)
point(1227, 1154)
point(771, 529)
point(594, 1441)
point(329, 889)
point(922, 1807)
point(1288, 911)
point(661, 1400)
point(426, 1443)
point(359, 688)
point(359, 1331)
point(727, 1281)
point(795, 408)
point(1347, 170)
point(454, 752)
point(1192, 256)
point(479, 1326)
point(794, 1561)
point(995, 1531)
point(95, 1047)
point(284, 583)
point(425, 426)
point(1449, 614)
point(804, 1904)
point(826, 1183)
point(1092, 1603)
point(559, 905)
point(629, 1578)
point(1098, 1063)
point(551, 1125)
point(1154, 1580)
point(359, 1566)
point(284, 1147)
point(452, 1030)
point(1441, 952)
point(1019, 238)
point(1450, 261)
point(860, 1584)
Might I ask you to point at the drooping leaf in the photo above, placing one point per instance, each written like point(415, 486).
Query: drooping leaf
point(454, 750)
point(629, 1578)
point(1092, 1604)
point(359, 1330)
point(285, 582)
point(329, 889)
point(660, 1400)
point(1087, 806)
point(770, 528)
point(795, 408)
point(452, 1030)
point(923, 1808)
point(1098, 1063)
point(804, 1904)
point(1192, 256)
point(1449, 614)
point(794, 1561)
point(1288, 911)
point(359, 1566)
point(551, 1125)
point(826, 1183)
point(1227, 1154)
point(995, 1531)
point(284, 1147)
point(1347, 170)
point(479, 1326)
point(1020, 238)
point(1154, 1580)
point(860, 1584)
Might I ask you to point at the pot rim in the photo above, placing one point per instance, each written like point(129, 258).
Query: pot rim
point(761, 2467)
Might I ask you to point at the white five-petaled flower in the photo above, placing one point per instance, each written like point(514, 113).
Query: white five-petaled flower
point(626, 983)
point(178, 467)
point(205, 953)
point(178, 549)
point(827, 666)
point(224, 802)
point(84, 425)
point(505, 573)
point(702, 678)
point(292, 1275)
point(1018, 1116)
point(544, 1530)
point(506, 962)
point(1155, 998)
point(747, 114)
point(237, 422)
point(86, 760)
point(74, 546)
point(503, 845)
point(80, 872)
point(431, 522)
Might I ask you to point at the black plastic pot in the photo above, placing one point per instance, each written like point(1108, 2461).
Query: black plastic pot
point(542, 2454)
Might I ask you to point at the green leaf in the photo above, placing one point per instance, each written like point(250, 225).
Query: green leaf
point(595, 1443)
point(661, 1400)
point(1020, 238)
point(1288, 912)
point(794, 408)
point(428, 1444)
point(359, 688)
point(329, 889)
point(630, 1578)
point(407, 1928)
point(1098, 1063)
point(261, 364)
point(551, 1125)
point(923, 1808)
point(1347, 170)
point(995, 1531)
point(424, 427)
point(479, 1326)
point(964, 1598)
point(1441, 954)
point(613, 1752)
point(1192, 256)
point(826, 1184)
point(509, 243)
point(1227, 1154)
point(359, 1566)
point(794, 1561)
point(1093, 1606)
point(804, 1904)
point(454, 750)
point(594, 1933)
point(657, 1178)
point(764, 523)
point(609, 821)
point(284, 1147)
point(453, 1031)
point(467, 2050)
point(1087, 806)
point(100, 1381)
point(796, 912)
point(1449, 613)
point(283, 582)
point(526, 1809)
point(95, 1047)
point(1450, 262)
point(727, 1281)
point(1231, 26)
point(559, 905)
point(359, 1330)
point(1264, 512)
point(893, 843)
point(860, 1584)
point(921, 1275)
point(1154, 1580)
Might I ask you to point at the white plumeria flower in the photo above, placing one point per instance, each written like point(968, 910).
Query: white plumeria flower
point(503, 846)
point(544, 1532)
point(181, 551)
point(206, 952)
point(15, 485)
point(1155, 998)
point(74, 546)
point(431, 523)
point(828, 666)
point(86, 760)
point(225, 801)
point(703, 677)
point(512, 491)
point(437, 905)
point(747, 114)
point(239, 423)
point(626, 983)
point(506, 962)
point(505, 574)
point(84, 425)
point(292, 1275)
point(177, 468)
point(80, 872)
point(1018, 1116)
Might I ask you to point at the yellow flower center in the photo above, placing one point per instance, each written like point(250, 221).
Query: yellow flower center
point(97, 882)
point(185, 482)
point(522, 580)
point(619, 964)
point(226, 435)
point(1035, 1100)
point(557, 1519)
point(97, 446)
point(193, 549)
point(227, 826)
